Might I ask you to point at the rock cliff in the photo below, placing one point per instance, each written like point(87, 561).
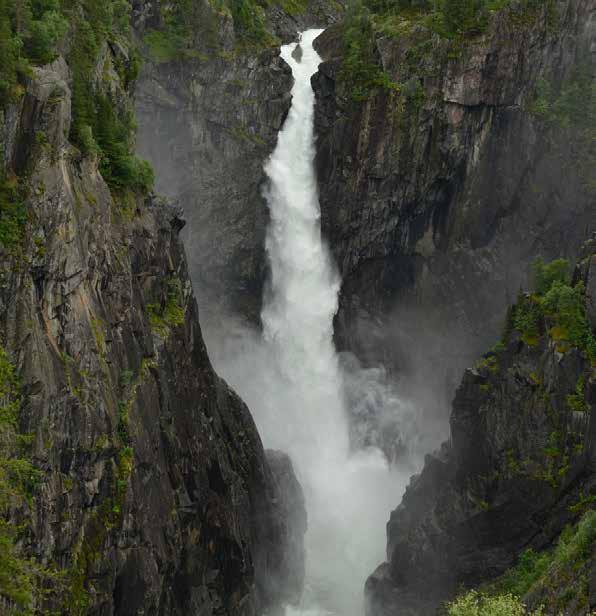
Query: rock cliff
point(208, 120)
point(439, 187)
point(132, 479)
point(518, 468)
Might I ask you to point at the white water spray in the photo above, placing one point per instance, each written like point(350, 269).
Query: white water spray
point(292, 381)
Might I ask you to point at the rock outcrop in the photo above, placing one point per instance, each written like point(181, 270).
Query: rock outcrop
point(520, 458)
point(152, 491)
point(438, 191)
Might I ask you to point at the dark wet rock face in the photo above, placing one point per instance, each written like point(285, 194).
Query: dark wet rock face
point(208, 127)
point(288, 579)
point(520, 456)
point(155, 494)
point(208, 124)
point(435, 201)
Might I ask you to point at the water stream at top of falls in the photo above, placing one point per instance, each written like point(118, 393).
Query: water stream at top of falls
point(291, 378)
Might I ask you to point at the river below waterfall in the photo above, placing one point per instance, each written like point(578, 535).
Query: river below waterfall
point(292, 381)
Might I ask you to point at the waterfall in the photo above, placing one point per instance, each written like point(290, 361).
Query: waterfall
point(348, 497)
point(292, 381)
point(302, 297)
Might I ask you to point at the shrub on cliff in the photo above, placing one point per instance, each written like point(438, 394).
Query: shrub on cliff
point(545, 274)
point(13, 214)
point(360, 69)
point(557, 306)
point(20, 577)
point(478, 604)
point(535, 572)
point(31, 31)
point(561, 567)
point(120, 168)
point(11, 63)
point(45, 33)
point(566, 305)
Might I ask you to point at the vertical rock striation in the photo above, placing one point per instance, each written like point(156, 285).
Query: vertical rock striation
point(437, 193)
point(153, 492)
point(208, 122)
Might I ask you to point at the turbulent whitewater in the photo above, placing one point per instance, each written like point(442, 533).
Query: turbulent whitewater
point(292, 380)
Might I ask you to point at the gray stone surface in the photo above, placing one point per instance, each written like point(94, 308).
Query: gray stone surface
point(208, 125)
point(434, 214)
point(518, 457)
point(199, 524)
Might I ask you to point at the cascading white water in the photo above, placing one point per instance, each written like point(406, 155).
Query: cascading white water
point(291, 378)
point(348, 497)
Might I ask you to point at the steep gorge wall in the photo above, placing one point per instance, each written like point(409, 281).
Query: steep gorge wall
point(144, 485)
point(518, 468)
point(437, 194)
point(208, 122)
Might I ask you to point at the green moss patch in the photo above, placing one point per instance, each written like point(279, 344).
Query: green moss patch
point(544, 574)
point(170, 312)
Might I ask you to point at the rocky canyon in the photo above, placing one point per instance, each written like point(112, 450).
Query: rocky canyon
point(298, 307)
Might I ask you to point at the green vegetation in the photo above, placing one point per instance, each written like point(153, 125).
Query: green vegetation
point(464, 16)
point(562, 567)
point(360, 69)
point(577, 401)
point(527, 319)
point(249, 21)
point(174, 39)
point(114, 135)
point(124, 420)
point(165, 46)
point(571, 104)
point(436, 30)
point(583, 503)
point(565, 307)
point(103, 519)
point(546, 274)
point(21, 578)
point(181, 21)
point(490, 363)
point(557, 306)
point(13, 213)
point(31, 32)
point(554, 314)
point(169, 313)
point(130, 385)
point(101, 125)
point(477, 604)
point(534, 570)
point(108, 515)
point(294, 7)
point(126, 377)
